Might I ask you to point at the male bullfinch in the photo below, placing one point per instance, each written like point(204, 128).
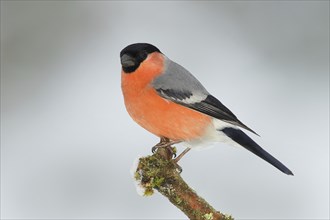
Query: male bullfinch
point(168, 101)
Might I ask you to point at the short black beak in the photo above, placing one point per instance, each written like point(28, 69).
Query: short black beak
point(127, 61)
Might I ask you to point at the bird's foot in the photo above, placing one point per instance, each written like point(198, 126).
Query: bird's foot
point(162, 143)
point(176, 159)
point(165, 143)
point(178, 168)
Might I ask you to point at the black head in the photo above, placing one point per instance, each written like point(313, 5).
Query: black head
point(133, 55)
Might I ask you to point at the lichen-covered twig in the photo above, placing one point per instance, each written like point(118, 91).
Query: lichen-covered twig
point(159, 172)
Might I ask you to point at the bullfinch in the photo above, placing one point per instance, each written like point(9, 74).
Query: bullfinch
point(168, 101)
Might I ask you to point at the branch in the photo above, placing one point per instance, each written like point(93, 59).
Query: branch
point(160, 172)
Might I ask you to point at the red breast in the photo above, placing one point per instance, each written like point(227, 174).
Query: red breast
point(154, 113)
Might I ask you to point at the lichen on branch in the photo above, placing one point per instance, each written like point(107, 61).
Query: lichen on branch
point(159, 172)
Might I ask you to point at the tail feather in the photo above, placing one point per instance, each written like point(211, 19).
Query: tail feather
point(245, 141)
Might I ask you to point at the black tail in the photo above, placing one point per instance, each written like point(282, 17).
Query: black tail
point(245, 141)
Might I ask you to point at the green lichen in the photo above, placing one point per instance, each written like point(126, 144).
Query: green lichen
point(137, 175)
point(196, 213)
point(178, 200)
point(153, 174)
point(208, 216)
point(148, 191)
point(159, 172)
point(156, 182)
point(228, 217)
point(174, 150)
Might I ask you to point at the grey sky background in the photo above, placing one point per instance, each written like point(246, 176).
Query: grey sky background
point(67, 142)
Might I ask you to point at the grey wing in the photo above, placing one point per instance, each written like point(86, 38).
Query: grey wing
point(178, 85)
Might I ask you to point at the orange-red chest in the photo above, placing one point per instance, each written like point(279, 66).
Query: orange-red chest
point(154, 113)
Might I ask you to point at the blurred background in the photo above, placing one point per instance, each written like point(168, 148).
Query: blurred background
point(67, 142)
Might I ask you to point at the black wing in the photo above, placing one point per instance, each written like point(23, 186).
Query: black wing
point(209, 106)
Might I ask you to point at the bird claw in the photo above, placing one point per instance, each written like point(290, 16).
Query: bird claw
point(169, 148)
point(160, 144)
point(174, 154)
point(172, 151)
point(166, 143)
point(154, 148)
point(178, 168)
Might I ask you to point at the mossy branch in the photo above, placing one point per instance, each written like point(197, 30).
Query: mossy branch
point(160, 172)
